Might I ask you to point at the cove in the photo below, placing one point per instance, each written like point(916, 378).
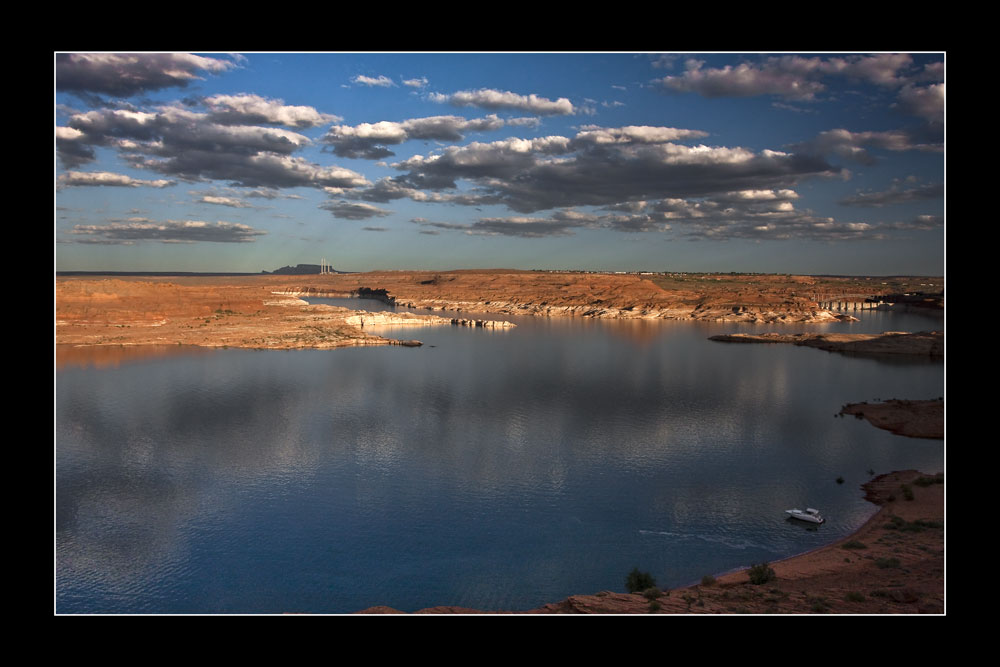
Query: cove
point(496, 470)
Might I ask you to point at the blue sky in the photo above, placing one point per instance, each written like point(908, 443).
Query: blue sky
point(766, 162)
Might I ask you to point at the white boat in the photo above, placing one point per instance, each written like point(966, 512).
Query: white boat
point(809, 514)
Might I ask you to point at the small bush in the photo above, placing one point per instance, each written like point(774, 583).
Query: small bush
point(907, 491)
point(885, 563)
point(819, 604)
point(854, 544)
point(637, 581)
point(854, 596)
point(654, 605)
point(652, 593)
point(707, 580)
point(761, 574)
point(927, 481)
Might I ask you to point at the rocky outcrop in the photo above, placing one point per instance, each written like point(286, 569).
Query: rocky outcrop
point(915, 419)
point(713, 314)
point(364, 318)
point(920, 344)
point(488, 324)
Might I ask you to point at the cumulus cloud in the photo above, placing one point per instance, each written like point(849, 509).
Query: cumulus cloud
point(171, 231)
point(743, 80)
point(252, 109)
point(354, 210)
point(853, 145)
point(87, 178)
point(529, 175)
point(759, 215)
point(790, 77)
point(72, 147)
point(634, 134)
point(488, 98)
point(896, 195)
point(223, 201)
point(927, 102)
point(125, 74)
point(192, 146)
point(380, 81)
point(369, 140)
point(418, 82)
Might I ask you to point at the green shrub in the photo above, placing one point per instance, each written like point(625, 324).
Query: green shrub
point(760, 574)
point(907, 491)
point(854, 544)
point(652, 593)
point(637, 581)
point(887, 562)
point(654, 605)
point(707, 580)
point(927, 481)
point(854, 596)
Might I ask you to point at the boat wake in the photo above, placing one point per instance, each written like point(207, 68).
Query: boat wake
point(741, 545)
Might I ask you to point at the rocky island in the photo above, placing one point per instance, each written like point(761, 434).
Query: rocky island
point(916, 419)
point(921, 344)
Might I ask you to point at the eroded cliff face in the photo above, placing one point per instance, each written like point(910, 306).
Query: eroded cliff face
point(569, 295)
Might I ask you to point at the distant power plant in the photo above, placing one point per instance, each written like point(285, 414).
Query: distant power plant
point(325, 268)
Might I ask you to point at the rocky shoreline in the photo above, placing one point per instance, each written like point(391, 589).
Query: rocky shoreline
point(893, 564)
point(156, 314)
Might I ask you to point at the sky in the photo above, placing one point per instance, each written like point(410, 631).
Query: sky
point(813, 163)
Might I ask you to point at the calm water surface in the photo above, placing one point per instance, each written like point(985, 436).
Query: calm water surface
point(487, 469)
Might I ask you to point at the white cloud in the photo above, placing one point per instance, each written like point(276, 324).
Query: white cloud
point(790, 77)
point(248, 109)
point(125, 74)
point(224, 201)
point(488, 98)
point(419, 82)
point(171, 231)
point(369, 140)
point(927, 102)
point(87, 178)
point(379, 81)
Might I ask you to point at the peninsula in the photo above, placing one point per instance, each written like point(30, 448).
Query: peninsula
point(928, 344)
point(265, 311)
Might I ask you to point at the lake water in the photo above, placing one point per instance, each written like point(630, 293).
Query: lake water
point(498, 470)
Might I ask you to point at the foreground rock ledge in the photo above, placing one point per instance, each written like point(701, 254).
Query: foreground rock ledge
point(894, 564)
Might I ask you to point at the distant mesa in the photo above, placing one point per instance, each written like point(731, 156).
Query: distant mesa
point(301, 270)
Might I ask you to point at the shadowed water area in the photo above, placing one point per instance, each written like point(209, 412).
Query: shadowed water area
point(492, 469)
